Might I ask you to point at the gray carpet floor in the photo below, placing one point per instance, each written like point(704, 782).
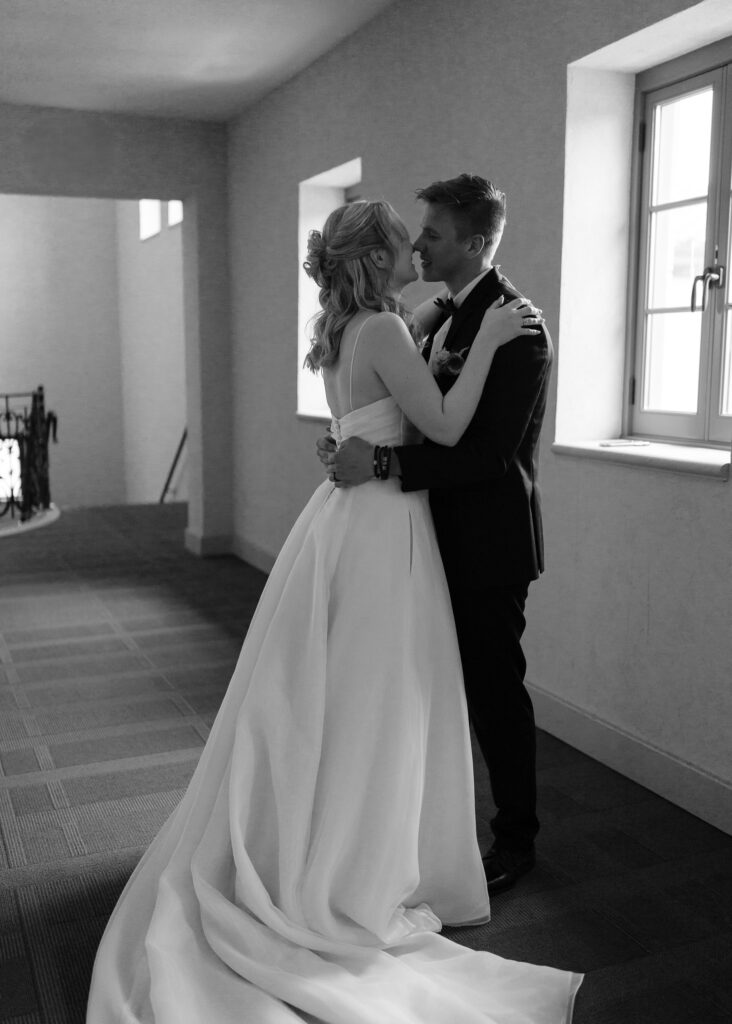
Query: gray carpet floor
point(115, 649)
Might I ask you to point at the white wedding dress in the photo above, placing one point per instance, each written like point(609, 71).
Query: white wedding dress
point(329, 828)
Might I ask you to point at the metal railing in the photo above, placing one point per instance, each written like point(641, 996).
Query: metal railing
point(25, 429)
point(176, 458)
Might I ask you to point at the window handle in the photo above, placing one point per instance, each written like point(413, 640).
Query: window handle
point(713, 277)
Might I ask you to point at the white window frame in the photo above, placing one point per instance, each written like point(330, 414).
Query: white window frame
point(707, 427)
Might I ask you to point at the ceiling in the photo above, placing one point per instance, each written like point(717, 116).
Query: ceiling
point(201, 59)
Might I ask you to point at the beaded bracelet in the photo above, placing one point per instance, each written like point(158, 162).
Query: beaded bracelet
point(384, 462)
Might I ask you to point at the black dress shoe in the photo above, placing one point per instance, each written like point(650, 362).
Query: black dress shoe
point(503, 867)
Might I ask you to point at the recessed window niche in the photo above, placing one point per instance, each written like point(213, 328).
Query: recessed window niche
point(596, 290)
point(319, 196)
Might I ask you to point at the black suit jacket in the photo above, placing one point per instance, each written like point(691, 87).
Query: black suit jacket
point(484, 491)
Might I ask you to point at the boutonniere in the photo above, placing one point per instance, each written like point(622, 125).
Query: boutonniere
point(449, 363)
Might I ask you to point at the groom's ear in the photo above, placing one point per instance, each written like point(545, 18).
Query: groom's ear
point(476, 245)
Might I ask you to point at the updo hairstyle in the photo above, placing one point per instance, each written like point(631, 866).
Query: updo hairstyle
point(339, 261)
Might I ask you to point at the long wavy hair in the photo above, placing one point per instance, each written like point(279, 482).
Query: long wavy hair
point(339, 261)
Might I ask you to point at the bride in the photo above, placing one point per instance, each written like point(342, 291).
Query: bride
point(328, 831)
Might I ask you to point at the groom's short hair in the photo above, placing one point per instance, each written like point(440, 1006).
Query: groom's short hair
point(478, 207)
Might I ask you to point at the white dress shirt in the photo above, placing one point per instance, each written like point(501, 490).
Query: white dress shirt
point(439, 339)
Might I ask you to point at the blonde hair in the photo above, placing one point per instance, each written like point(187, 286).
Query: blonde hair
point(339, 261)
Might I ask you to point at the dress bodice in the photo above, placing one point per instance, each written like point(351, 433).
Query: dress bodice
point(380, 422)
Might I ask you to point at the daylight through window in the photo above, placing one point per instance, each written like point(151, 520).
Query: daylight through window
point(150, 218)
point(318, 197)
point(682, 387)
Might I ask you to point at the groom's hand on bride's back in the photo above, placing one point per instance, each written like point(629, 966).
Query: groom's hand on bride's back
point(325, 447)
point(350, 464)
point(354, 462)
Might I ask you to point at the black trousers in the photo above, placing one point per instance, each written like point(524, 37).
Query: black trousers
point(490, 623)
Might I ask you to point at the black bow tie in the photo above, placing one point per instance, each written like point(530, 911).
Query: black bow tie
point(446, 305)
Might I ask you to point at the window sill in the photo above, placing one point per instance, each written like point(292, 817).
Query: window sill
point(312, 417)
point(714, 462)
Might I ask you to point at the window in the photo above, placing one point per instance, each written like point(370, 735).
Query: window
point(150, 218)
point(175, 212)
point(318, 197)
point(681, 387)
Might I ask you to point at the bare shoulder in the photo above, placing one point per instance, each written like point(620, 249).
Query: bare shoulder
point(384, 329)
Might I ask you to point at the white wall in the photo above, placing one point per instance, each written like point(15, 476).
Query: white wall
point(96, 316)
point(47, 151)
point(58, 311)
point(153, 354)
point(629, 643)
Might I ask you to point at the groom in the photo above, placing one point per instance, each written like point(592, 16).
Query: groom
point(484, 498)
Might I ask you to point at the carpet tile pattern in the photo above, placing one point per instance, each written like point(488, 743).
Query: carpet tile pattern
point(116, 647)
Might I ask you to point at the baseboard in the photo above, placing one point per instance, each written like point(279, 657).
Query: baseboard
point(252, 554)
point(206, 547)
point(698, 792)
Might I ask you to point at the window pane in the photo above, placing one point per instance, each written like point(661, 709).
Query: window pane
point(682, 133)
point(150, 218)
point(175, 212)
point(671, 370)
point(678, 237)
point(726, 403)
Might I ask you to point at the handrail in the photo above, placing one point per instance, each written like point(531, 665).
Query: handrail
point(174, 465)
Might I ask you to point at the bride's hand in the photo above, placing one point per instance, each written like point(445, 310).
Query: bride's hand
point(504, 321)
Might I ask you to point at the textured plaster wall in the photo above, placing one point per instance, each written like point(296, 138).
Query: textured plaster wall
point(631, 623)
point(60, 328)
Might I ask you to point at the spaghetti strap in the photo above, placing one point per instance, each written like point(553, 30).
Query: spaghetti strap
point(353, 356)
